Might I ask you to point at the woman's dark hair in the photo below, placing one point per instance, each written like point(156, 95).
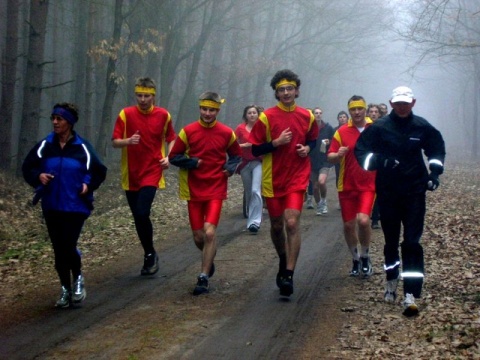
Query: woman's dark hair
point(248, 107)
point(342, 113)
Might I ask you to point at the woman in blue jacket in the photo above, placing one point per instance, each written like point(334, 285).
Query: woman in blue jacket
point(65, 170)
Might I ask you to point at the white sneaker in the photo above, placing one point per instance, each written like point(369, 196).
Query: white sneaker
point(323, 206)
point(65, 298)
point(310, 202)
point(409, 306)
point(79, 293)
point(391, 291)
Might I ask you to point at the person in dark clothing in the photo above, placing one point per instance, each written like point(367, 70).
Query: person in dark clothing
point(320, 165)
point(394, 146)
point(65, 171)
point(374, 113)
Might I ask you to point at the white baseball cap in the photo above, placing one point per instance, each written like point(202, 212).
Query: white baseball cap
point(402, 94)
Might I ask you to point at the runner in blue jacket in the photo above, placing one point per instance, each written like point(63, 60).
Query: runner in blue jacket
point(65, 171)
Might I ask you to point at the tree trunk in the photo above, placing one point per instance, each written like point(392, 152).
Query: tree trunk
point(89, 77)
point(33, 79)
point(8, 84)
point(111, 86)
point(80, 63)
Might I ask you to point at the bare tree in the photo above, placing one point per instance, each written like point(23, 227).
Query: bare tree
point(8, 84)
point(112, 79)
point(33, 79)
point(448, 31)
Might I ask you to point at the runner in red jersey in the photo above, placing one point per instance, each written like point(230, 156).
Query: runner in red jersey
point(285, 134)
point(145, 134)
point(201, 151)
point(356, 187)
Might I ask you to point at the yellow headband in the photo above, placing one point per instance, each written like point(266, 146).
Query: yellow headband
point(144, 90)
point(357, 104)
point(285, 82)
point(211, 104)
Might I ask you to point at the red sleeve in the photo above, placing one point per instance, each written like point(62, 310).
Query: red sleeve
point(119, 129)
point(170, 133)
point(258, 134)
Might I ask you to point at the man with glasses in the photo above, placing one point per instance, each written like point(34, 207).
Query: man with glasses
point(285, 134)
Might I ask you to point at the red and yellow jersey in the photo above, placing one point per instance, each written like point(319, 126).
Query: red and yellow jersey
point(284, 171)
point(140, 163)
point(211, 143)
point(352, 177)
point(242, 137)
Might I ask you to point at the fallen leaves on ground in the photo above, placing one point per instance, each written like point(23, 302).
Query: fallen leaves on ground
point(448, 326)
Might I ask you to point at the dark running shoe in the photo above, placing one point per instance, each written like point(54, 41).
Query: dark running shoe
point(367, 268)
point(286, 286)
point(150, 264)
point(202, 286)
point(253, 228)
point(355, 268)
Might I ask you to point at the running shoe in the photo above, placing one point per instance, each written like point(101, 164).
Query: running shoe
point(150, 264)
point(375, 225)
point(355, 268)
point(322, 207)
point(202, 286)
point(79, 293)
point(65, 298)
point(391, 291)
point(409, 306)
point(286, 286)
point(253, 228)
point(310, 203)
point(366, 268)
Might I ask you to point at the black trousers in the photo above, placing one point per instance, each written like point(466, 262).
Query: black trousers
point(409, 211)
point(140, 203)
point(64, 229)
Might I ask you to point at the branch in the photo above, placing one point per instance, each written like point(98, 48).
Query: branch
point(57, 85)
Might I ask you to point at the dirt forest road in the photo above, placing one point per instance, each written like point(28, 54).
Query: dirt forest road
point(127, 316)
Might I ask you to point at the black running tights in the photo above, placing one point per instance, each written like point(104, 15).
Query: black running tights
point(140, 203)
point(64, 229)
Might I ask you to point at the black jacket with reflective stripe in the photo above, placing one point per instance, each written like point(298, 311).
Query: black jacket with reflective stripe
point(406, 140)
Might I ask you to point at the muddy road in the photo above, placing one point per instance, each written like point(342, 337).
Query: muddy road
point(126, 316)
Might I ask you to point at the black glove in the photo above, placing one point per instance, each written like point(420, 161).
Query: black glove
point(433, 182)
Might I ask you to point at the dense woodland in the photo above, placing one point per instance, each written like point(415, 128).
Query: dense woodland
point(91, 51)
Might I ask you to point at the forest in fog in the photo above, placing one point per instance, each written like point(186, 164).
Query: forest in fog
point(91, 51)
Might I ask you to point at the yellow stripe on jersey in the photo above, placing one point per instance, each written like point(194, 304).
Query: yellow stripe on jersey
point(124, 159)
point(267, 162)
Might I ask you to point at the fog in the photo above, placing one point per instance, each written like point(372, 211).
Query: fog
point(91, 52)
